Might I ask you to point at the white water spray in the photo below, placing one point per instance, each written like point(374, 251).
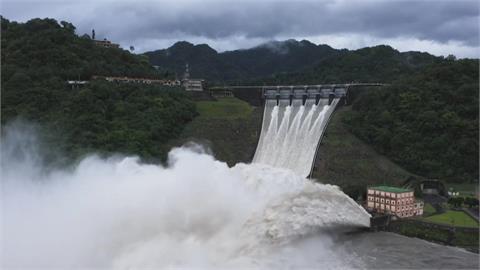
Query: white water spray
point(195, 213)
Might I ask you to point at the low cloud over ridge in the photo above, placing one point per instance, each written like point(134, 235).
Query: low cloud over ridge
point(447, 26)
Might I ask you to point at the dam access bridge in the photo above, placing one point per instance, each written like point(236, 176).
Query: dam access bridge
point(303, 92)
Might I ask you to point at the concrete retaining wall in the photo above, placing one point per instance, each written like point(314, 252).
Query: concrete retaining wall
point(449, 235)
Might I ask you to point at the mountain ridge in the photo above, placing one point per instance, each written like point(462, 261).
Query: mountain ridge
point(274, 59)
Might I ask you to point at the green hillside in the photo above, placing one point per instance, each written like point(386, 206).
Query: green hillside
point(371, 64)
point(229, 127)
point(427, 122)
point(240, 65)
point(224, 108)
point(45, 50)
point(290, 62)
point(346, 161)
point(39, 56)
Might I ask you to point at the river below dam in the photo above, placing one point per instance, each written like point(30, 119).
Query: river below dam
point(383, 250)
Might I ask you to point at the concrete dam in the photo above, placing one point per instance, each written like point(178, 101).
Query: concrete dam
point(294, 121)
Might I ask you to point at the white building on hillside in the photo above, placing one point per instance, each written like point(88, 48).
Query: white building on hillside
point(192, 84)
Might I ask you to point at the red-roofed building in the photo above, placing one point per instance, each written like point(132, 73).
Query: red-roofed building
point(392, 200)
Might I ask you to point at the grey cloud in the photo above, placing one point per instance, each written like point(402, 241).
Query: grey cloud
point(439, 21)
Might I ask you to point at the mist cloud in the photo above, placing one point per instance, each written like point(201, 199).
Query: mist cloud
point(117, 213)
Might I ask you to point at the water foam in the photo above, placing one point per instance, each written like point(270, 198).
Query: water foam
point(195, 212)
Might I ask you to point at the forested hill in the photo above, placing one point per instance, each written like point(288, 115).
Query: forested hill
point(45, 49)
point(257, 62)
point(371, 64)
point(427, 122)
point(40, 55)
point(290, 61)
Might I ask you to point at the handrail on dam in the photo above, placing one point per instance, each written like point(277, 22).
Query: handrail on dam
point(226, 87)
point(324, 90)
point(295, 92)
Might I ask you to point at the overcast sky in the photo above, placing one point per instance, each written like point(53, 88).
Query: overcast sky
point(440, 27)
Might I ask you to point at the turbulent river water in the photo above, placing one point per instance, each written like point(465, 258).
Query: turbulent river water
point(196, 212)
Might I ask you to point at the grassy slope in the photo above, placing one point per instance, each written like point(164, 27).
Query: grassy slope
point(229, 127)
point(455, 218)
point(428, 209)
point(224, 108)
point(345, 160)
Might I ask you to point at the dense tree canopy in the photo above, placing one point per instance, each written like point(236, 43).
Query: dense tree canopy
point(291, 62)
point(240, 66)
point(427, 121)
point(132, 119)
point(40, 55)
point(45, 49)
point(371, 64)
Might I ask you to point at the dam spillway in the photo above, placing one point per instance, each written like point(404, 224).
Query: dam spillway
point(293, 124)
